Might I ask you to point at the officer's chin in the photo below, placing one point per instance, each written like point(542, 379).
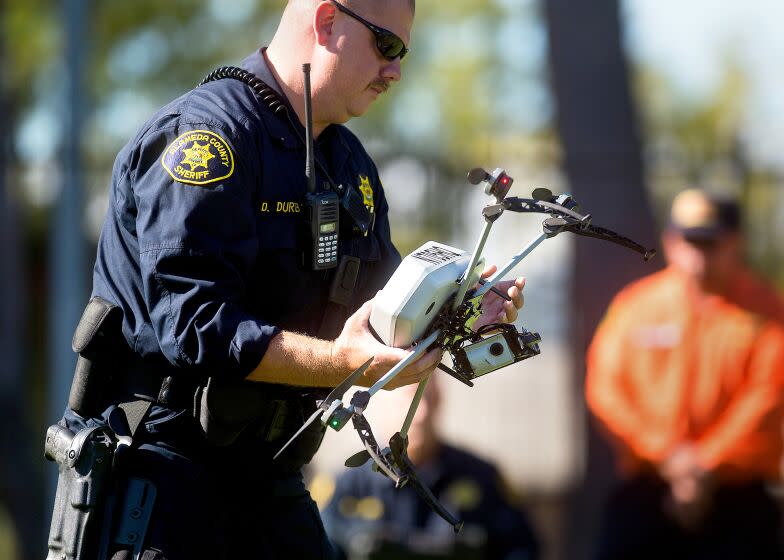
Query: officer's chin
point(361, 106)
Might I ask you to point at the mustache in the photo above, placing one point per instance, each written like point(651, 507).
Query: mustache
point(380, 84)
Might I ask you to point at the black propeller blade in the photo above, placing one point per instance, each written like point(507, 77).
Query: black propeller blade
point(336, 394)
point(541, 193)
point(358, 459)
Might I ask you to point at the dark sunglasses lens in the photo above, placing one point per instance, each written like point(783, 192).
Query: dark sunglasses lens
point(390, 46)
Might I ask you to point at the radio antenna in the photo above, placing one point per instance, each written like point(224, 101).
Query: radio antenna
point(311, 176)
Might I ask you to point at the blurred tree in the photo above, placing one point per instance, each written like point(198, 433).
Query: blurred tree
point(602, 157)
point(19, 481)
point(470, 71)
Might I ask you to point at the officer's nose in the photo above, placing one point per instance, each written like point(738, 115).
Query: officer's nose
point(392, 71)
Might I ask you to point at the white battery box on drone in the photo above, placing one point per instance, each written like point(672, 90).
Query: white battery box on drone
point(416, 292)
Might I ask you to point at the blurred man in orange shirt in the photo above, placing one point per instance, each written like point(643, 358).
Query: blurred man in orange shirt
point(686, 373)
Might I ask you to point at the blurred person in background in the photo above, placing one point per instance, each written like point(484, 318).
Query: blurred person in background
point(368, 518)
point(686, 373)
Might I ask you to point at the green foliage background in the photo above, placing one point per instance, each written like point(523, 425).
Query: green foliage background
point(475, 92)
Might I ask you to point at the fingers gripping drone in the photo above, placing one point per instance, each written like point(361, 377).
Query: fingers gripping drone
point(432, 301)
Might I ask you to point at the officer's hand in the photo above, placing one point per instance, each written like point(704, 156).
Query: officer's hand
point(356, 344)
point(494, 308)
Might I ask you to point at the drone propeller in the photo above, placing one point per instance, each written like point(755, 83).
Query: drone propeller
point(335, 395)
point(542, 194)
point(358, 459)
point(477, 175)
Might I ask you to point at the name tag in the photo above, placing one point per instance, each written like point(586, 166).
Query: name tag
point(281, 207)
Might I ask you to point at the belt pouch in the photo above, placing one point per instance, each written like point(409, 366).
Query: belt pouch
point(93, 340)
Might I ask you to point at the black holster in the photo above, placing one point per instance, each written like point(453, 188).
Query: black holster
point(87, 484)
point(85, 459)
point(85, 462)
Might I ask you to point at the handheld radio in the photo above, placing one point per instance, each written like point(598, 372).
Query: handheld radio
point(322, 208)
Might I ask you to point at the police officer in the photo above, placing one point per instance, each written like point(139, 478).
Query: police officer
point(226, 336)
point(368, 518)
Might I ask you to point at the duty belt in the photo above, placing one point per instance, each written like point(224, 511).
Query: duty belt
point(108, 372)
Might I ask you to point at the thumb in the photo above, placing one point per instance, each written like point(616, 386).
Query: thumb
point(392, 354)
point(363, 312)
point(489, 271)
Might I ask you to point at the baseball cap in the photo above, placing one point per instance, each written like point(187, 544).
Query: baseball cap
point(702, 216)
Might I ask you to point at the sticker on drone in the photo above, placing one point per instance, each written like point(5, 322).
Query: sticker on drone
point(435, 254)
point(198, 157)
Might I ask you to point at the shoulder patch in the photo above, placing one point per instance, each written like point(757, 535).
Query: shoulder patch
point(198, 157)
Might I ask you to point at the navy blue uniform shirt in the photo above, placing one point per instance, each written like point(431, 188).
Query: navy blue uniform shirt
point(200, 247)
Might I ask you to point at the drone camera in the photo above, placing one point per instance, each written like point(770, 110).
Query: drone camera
point(496, 351)
point(486, 356)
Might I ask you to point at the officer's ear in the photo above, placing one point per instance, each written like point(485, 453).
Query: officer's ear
point(323, 21)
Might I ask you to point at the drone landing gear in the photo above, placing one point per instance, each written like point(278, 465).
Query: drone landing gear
point(395, 464)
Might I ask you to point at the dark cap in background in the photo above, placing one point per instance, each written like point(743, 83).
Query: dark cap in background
point(698, 215)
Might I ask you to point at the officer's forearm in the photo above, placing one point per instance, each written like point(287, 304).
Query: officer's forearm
point(297, 359)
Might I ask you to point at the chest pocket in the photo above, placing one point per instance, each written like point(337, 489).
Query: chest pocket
point(278, 232)
point(286, 293)
point(280, 289)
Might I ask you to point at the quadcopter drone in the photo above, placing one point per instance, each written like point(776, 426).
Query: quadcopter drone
point(431, 301)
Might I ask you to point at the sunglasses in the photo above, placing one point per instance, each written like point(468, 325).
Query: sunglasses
point(388, 44)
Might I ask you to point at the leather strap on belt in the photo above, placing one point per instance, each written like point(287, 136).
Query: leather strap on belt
point(341, 293)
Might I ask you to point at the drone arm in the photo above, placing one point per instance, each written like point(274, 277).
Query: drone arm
point(362, 427)
point(522, 205)
point(609, 235)
point(397, 446)
point(466, 280)
point(513, 262)
point(418, 350)
point(413, 408)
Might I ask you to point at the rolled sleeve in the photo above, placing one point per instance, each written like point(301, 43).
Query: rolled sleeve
point(197, 244)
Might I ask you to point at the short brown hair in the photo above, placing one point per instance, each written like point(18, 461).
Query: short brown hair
point(411, 3)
